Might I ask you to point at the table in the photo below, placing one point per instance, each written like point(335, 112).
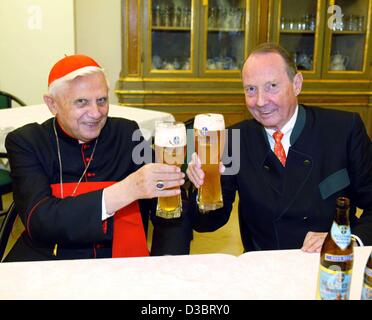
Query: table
point(13, 118)
point(281, 274)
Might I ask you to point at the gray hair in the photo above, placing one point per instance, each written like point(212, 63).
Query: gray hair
point(56, 85)
point(270, 47)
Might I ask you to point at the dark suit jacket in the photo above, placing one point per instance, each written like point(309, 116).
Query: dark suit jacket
point(330, 156)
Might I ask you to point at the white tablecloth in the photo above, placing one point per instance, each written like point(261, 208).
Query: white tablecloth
point(13, 118)
point(282, 274)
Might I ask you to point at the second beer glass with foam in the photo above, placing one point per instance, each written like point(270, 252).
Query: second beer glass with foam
point(209, 134)
point(170, 148)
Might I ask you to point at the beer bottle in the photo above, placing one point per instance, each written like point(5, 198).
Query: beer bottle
point(336, 257)
point(367, 283)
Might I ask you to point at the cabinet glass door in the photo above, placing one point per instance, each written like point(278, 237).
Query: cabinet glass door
point(348, 37)
point(298, 32)
point(225, 31)
point(171, 23)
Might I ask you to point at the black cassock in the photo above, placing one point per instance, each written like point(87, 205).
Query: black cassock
point(75, 223)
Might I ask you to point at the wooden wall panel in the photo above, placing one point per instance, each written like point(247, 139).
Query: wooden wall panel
point(133, 38)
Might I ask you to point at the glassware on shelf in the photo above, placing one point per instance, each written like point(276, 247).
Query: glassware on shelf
point(177, 14)
point(156, 16)
point(168, 65)
point(211, 65)
point(212, 17)
point(230, 17)
point(339, 62)
point(360, 23)
point(171, 38)
point(240, 18)
point(222, 63)
point(235, 18)
point(226, 18)
point(166, 16)
point(282, 23)
point(156, 62)
point(177, 63)
point(339, 24)
point(350, 22)
point(170, 16)
point(186, 17)
point(222, 17)
point(312, 22)
point(225, 35)
point(304, 61)
point(186, 65)
point(305, 23)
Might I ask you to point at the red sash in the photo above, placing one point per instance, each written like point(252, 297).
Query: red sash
point(129, 238)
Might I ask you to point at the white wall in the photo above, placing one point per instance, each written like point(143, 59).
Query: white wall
point(98, 34)
point(33, 36)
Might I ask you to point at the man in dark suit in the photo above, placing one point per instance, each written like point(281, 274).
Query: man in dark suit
point(294, 163)
point(77, 188)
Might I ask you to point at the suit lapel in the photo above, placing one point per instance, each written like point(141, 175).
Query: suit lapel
point(286, 183)
point(265, 160)
point(299, 125)
point(298, 169)
point(299, 164)
point(273, 172)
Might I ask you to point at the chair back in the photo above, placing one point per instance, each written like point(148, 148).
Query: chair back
point(5, 183)
point(6, 228)
point(7, 99)
point(5, 102)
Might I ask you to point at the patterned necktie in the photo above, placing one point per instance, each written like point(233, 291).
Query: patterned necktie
point(278, 147)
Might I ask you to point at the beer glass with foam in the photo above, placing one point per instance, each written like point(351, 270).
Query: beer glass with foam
point(170, 148)
point(209, 133)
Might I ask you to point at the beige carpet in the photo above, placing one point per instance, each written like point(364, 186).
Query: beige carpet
point(224, 240)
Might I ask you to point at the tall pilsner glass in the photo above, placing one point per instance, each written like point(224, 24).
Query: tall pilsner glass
point(170, 148)
point(209, 133)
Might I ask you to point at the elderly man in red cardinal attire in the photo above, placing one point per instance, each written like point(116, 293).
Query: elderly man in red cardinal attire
point(77, 188)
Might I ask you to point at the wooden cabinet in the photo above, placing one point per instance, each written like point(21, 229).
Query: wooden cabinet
point(185, 56)
point(191, 38)
point(327, 39)
point(330, 40)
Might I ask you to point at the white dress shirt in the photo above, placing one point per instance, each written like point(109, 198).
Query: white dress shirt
point(286, 130)
point(105, 214)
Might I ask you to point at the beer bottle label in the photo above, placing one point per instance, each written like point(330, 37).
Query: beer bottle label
point(334, 284)
point(338, 258)
point(341, 235)
point(366, 292)
point(367, 289)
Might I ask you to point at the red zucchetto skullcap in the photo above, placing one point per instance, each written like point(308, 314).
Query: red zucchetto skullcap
point(69, 64)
